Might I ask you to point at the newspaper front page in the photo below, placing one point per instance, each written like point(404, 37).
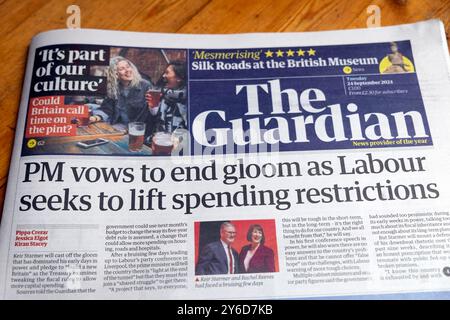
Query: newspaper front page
point(288, 165)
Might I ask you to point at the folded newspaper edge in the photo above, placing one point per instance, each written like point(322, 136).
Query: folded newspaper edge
point(263, 165)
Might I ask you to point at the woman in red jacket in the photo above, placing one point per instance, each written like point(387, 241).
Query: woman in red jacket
point(256, 257)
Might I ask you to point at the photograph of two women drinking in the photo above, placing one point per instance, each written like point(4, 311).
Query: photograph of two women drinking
point(143, 110)
point(153, 111)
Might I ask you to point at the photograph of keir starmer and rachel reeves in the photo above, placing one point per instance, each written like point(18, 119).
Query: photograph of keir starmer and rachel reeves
point(234, 247)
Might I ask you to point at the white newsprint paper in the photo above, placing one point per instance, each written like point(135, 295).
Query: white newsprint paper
point(275, 165)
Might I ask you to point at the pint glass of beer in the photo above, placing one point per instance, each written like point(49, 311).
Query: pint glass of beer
point(180, 138)
point(136, 131)
point(155, 94)
point(162, 144)
point(83, 121)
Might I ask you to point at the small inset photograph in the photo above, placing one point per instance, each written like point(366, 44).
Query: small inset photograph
point(235, 246)
point(395, 61)
point(141, 110)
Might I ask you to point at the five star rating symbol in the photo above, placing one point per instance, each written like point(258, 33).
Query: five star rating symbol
point(290, 53)
point(269, 54)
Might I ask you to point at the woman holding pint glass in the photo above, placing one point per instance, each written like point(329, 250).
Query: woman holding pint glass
point(169, 106)
point(126, 101)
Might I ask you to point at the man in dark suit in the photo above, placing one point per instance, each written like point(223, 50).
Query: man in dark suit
point(219, 257)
